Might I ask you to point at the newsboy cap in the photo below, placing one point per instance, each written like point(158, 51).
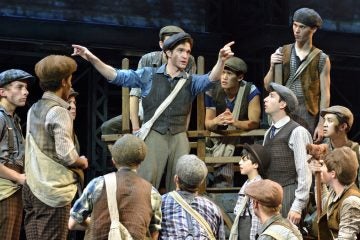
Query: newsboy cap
point(261, 156)
point(308, 16)
point(267, 192)
point(11, 75)
point(73, 93)
point(128, 150)
point(342, 112)
point(169, 30)
point(172, 41)
point(286, 94)
point(236, 64)
point(191, 170)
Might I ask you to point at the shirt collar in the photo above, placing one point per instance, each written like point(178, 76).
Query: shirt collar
point(15, 117)
point(52, 96)
point(162, 70)
point(281, 122)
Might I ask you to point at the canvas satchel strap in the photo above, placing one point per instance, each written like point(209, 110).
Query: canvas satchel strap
point(110, 183)
point(304, 64)
point(176, 196)
point(238, 103)
point(145, 128)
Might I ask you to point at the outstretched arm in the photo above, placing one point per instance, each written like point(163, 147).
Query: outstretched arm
point(224, 54)
point(107, 71)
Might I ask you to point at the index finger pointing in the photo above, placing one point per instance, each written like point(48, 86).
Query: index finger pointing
point(229, 44)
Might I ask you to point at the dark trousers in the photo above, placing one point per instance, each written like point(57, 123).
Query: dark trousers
point(11, 210)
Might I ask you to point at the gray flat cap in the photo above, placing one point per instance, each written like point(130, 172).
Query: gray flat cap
point(342, 112)
point(286, 94)
point(11, 75)
point(169, 30)
point(191, 170)
point(73, 93)
point(236, 64)
point(308, 16)
point(173, 40)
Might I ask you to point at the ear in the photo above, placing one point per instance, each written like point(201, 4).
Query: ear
point(168, 53)
point(343, 127)
point(256, 165)
point(2, 92)
point(241, 77)
point(64, 82)
point(283, 104)
point(161, 43)
point(333, 174)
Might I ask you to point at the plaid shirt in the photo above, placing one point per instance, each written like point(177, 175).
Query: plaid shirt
point(174, 223)
point(83, 207)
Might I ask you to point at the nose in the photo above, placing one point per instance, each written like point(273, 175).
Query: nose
point(26, 92)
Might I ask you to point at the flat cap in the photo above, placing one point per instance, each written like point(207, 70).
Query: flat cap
point(342, 112)
point(11, 75)
point(191, 170)
point(286, 94)
point(236, 64)
point(73, 93)
point(128, 150)
point(308, 17)
point(169, 30)
point(261, 156)
point(267, 192)
point(173, 40)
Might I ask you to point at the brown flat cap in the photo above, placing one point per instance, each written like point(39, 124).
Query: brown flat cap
point(267, 192)
point(342, 112)
point(128, 150)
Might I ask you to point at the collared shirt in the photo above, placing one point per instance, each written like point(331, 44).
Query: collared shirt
point(298, 140)
point(255, 222)
point(59, 124)
point(83, 207)
point(230, 104)
point(349, 225)
point(174, 223)
point(285, 232)
point(142, 78)
point(18, 154)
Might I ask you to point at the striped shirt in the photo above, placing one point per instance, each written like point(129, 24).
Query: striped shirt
point(298, 140)
point(59, 124)
point(174, 223)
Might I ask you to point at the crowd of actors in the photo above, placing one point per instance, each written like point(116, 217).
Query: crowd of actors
point(41, 173)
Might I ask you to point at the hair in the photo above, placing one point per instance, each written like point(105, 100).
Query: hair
point(287, 110)
point(270, 210)
point(342, 120)
point(52, 69)
point(186, 187)
point(344, 167)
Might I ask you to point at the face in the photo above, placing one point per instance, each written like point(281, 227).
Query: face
point(331, 124)
point(272, 103)
point(72, 102)
point(16, 93)
point(179, 56)
point(302, 33)
point(325, 175)
point(229, 79)
point(246, 165)
point(66, 86)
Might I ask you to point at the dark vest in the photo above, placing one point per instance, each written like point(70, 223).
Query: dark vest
point(282, 166)
point(174, 118)
point(332, 222)
point(37, 129)
point(133, 196)
point(310, 80)
point(219, 97)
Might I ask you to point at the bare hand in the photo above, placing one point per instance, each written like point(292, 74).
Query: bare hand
point(294, 217)
point(226, 52)
point(81, 51)
point(315, 165)
point(84, 162)
point(21, 179)
point(318, 134)
point(276, 57)
point(225, 118)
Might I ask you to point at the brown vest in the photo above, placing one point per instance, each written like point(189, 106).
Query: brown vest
point(134, 204)
point(332, 222)
point(310, 79)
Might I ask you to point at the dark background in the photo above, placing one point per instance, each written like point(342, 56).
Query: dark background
point(113, 30)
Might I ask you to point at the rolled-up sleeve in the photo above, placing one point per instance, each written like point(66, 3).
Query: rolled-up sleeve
point(155, 224)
